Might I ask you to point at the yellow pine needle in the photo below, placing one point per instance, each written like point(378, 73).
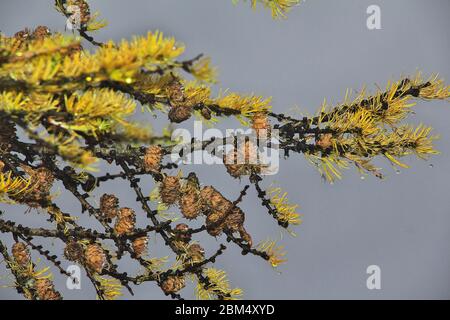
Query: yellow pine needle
point(246, 105)
point(276, 253)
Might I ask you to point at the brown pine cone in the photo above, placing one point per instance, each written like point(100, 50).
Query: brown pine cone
point(215, 231)
point(242, 161)
point(215, 218)
point(23, 35)
point(190, 205)
point(42, 181)
point(73, 251)
point(7, 134)
point(245, 235)
point(235, 219)
point(206, 113)
point(46, 290)
point(41, 32)
point(260, 123)
point(152, 159)
point(181, 232)
point(173, 284)
point(214, 200)
point(21, 254)
point(170, 189)
point(215, 222)
point(109, 205)
point(235, 223)
point(196, 253)
point(2, 165)
point(95, 257)
point(190, 201)
point(140, 245)
point(125, 221)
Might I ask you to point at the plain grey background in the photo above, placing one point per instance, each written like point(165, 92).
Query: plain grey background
point(401, 224)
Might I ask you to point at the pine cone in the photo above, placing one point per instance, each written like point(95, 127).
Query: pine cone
point(325, 140)
point(175, 92)
point(242, 161)
point(235, 219)
point(206, 113)
point(214, 200)
point(190, 205)
point(46, 291)
point(196, 253)
point(215, 223)
point(178, 114)
point(181, 232)
point(73, 251)
point(42, 181)
point(109, 205)
point(41, 32)
point(215, 218)
point(23, 35)
point(125, 221)
point(170, 189)
point(140, 245)
point(85, 13)
point(2, 165)
point(152, 159)
point(235, 223)
point(21, 254)
point(95, 257)
point(173, 284)
point(214, 231)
